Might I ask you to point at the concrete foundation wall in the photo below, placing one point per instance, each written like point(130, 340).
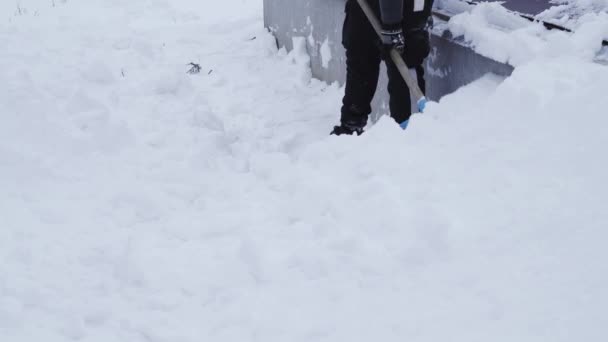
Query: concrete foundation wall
point(450, 66)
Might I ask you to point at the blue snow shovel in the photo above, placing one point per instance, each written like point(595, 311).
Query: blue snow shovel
point(397, 59)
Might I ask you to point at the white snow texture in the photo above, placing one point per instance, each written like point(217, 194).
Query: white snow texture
point(142, 203)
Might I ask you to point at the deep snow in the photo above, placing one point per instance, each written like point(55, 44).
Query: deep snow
point(141, 203)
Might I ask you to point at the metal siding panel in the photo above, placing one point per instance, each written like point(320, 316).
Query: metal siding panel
point(524, 6)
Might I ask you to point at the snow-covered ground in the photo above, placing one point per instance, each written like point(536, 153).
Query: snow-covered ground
point(141, 203)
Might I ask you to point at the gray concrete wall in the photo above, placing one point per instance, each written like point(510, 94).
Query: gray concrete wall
point(451, 64)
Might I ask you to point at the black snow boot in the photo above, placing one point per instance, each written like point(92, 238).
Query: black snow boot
point(347, 130)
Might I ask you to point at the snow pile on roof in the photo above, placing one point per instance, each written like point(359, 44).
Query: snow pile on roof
point(141, 203)
point(572, 13)
point(498, 33)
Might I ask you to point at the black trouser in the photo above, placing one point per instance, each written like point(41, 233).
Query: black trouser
point(363, 57)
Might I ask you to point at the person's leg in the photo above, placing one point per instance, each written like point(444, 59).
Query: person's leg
point(420, 76)
point(417, 49)
point(400, 103)
point(362, 67)
point(362, 72)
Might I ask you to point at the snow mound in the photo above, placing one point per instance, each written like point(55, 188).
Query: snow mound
point(502, 35)
point(573, 13)
point(142, 203)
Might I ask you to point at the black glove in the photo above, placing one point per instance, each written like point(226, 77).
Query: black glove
point(418, 47)
point(392, 38)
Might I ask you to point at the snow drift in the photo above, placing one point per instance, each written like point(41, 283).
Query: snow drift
point(141, 203)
